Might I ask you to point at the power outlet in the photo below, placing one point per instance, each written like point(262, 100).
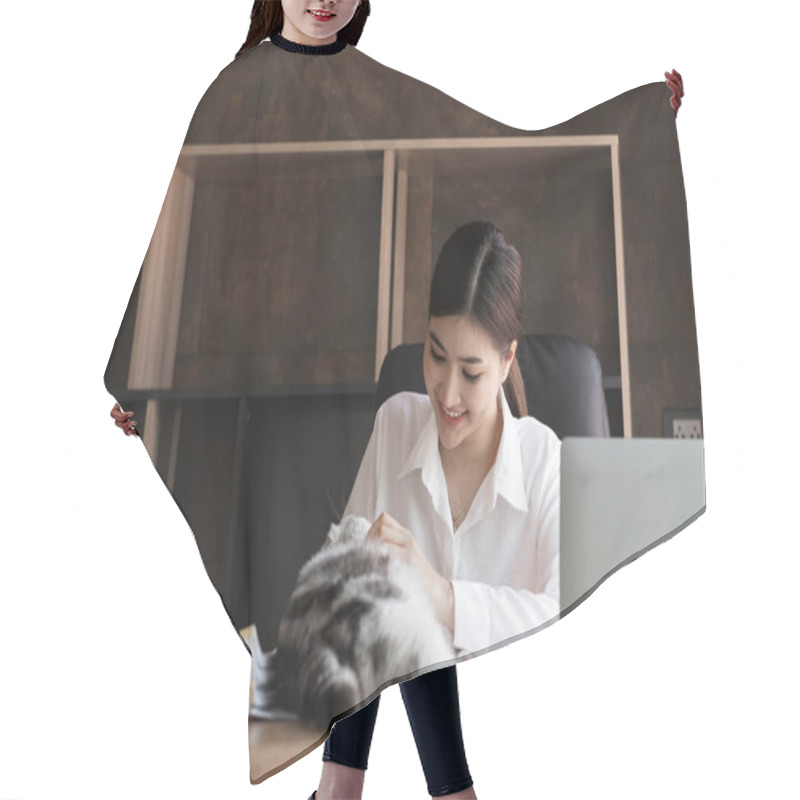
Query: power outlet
point(687, 429)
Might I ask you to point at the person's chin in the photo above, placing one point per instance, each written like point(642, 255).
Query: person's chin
point(449, 439)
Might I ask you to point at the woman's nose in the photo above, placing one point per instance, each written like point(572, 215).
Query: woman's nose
point(449, 390)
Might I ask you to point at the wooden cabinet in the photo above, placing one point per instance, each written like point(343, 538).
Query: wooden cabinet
point(284, 268)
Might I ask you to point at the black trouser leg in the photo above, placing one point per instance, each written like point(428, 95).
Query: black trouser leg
point(351, 737)
point(433, 711)
point(432, 706)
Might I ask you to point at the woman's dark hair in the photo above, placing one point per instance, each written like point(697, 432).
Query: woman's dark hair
point(266, 19)
point(479, 275)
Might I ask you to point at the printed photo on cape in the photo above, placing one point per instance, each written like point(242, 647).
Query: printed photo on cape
point(280, 317)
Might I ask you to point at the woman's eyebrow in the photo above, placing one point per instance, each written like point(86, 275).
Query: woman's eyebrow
point(465, 360)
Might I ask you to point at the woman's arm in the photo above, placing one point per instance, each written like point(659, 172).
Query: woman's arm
point(387, 530)
point(479, 614)
point(486, 615)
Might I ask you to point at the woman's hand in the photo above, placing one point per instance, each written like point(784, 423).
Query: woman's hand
point(388, 530)
point(124, 420)
point(675, 82)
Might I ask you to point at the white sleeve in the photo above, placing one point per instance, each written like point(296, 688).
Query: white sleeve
point(486, 615)
point(365, 489)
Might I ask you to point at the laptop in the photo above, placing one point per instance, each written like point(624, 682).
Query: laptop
point(619, 499)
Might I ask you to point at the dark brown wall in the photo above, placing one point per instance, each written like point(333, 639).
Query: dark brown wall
point(562, 225)
point(281, 285)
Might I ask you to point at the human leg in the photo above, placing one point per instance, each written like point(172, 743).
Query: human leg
point(433, 710)
point(346, 753)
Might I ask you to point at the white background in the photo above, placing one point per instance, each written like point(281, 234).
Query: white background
point(120, 675)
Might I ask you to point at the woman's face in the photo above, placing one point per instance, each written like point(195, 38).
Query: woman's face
point(316, 22)
point(464, 371)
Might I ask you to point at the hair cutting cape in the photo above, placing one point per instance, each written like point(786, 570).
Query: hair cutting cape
point(294, 251)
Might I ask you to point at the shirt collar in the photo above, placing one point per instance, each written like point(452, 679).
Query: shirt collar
point(505, 478)
point(308, 49)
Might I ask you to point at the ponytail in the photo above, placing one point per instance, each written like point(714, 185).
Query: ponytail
point(514, 387)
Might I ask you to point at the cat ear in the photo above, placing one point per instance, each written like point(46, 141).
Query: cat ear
point(333, 534)
point(353, 528)
point(359, 527)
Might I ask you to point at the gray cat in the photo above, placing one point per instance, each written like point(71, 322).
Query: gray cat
point(358, 619)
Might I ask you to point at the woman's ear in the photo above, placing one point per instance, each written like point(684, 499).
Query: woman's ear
point(509, 359)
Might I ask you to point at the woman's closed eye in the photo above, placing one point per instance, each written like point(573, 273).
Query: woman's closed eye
point(440, 359)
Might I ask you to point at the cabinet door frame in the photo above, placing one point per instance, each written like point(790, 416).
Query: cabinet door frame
point(155, 335)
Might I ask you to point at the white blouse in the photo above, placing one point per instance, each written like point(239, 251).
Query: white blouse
point(503, 559)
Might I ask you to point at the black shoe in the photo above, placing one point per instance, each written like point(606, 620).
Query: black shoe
point(313, 795)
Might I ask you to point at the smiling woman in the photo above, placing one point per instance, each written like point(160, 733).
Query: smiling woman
point(463, 491)
point(436, 466)
point(475, 318)
point(316, 21)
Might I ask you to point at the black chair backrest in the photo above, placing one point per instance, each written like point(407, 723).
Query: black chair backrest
point(562, 376)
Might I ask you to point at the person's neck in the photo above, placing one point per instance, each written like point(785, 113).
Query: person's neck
point(293, 34)
point(332, 47)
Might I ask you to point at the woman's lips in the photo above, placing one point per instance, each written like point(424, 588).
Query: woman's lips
point(322, 16)
point(448, 418)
